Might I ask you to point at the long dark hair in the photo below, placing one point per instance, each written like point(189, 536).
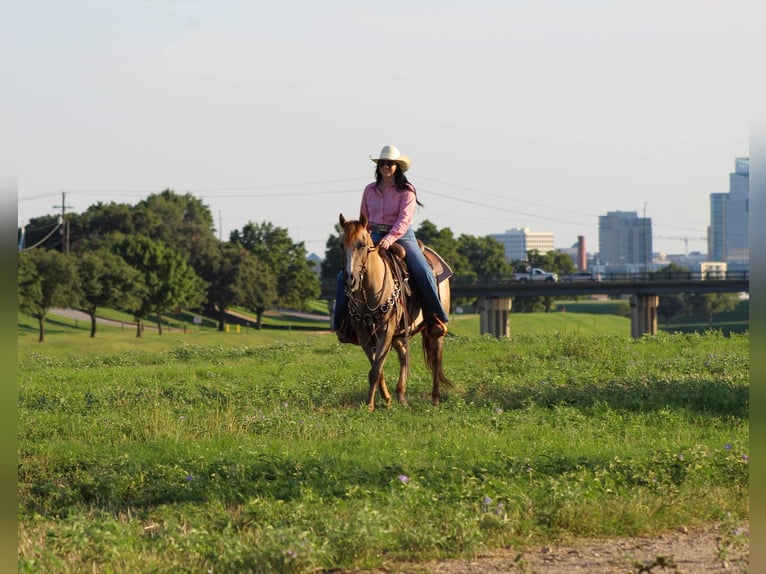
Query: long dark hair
point(401, 183)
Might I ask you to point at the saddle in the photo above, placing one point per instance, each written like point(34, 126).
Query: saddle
point(410, 304)
point(441, 269)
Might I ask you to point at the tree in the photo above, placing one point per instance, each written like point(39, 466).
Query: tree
point(333, 256)
point(711, 304)
point(485, 254)
point(43, 232)
point(297, 284)
point(181, 222)
point(46, 279)
point(100, 221)
point(554, 261)
point(107, 280)
point(240, 278)
point(444, 243)
point(169, 281)
point(671, 305)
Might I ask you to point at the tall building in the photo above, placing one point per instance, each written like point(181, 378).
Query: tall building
point(518, 241)
point(625, 240)
point(728, 235)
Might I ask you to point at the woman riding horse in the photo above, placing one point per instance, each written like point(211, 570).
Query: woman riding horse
point(388, 204)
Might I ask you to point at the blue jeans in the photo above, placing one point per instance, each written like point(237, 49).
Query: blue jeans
point(421, 275)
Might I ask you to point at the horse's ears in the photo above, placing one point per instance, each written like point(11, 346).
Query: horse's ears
point(342, 220)
point(363, 219)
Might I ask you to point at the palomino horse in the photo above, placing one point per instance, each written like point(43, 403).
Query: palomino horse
point(383, 316)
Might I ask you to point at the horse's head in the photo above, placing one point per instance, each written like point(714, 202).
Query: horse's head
point(356, 246)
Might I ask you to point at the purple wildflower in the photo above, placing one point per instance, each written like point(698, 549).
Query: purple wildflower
point(727, 446)
point(744, 457)
point(403, 478)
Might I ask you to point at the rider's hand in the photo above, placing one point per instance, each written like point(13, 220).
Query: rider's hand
point(383, 244)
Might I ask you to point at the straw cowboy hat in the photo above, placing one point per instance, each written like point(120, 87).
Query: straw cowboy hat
point(392, 153)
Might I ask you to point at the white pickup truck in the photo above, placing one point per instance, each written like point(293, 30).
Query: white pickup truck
point(535, 274)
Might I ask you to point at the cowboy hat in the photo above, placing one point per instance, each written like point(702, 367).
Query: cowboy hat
point(391, 152)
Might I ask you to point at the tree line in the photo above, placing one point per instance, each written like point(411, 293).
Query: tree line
point(157, 256)
point(679, 304)
point(162, 254)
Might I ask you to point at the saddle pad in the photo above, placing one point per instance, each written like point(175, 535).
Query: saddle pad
point(440, 267)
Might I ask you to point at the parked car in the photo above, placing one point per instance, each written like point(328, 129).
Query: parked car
point(582, 276)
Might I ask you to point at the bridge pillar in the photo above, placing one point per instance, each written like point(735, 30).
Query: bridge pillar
point(494, 316)
point(643, 315)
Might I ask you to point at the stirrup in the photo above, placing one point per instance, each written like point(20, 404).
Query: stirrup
point(438, 328)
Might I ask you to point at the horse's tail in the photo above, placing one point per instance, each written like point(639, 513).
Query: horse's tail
point(433, 351)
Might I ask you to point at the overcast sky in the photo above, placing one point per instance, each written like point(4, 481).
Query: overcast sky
point(540, 114)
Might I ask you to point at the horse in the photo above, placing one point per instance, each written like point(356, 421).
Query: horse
point(383, 315)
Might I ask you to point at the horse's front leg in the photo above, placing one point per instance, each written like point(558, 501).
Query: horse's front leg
point(404, 368)
point(375, 377)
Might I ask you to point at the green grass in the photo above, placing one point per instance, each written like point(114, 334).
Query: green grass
point(254, 452)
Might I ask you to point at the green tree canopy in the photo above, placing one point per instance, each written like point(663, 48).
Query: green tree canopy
point(333, 262)
point(711, 304)
point(44, 232)
point(169, 281)
point(46, 278)
point(181, 222)
point(444, 243)
point(297, 284)
point(485, 254)
point(100, 221)
point(240, 278)
point(107, 280)
point(671, 304)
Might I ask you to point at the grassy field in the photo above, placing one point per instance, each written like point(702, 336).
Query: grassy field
point(253, 451)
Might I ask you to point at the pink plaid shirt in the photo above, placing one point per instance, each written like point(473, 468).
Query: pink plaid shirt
point(389, 207)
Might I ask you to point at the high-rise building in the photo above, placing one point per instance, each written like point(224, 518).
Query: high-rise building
point(728, 235)
point(518, 241)
point(625, 240)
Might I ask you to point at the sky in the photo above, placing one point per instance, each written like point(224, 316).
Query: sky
point(540, 114)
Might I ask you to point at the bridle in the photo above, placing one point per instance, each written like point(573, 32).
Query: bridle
point(359, 307)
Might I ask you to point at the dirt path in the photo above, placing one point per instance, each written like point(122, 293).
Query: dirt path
point(683, 551)
point(85, 318)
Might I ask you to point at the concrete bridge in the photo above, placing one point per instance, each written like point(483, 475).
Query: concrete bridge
point(495, 294)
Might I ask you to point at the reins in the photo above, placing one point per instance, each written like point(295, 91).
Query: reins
point(360, 309)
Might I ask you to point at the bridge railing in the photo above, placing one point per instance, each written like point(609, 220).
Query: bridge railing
point(607, 277)
point(468, 282)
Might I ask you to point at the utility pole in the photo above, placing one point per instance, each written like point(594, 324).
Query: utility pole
point(64, 223)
